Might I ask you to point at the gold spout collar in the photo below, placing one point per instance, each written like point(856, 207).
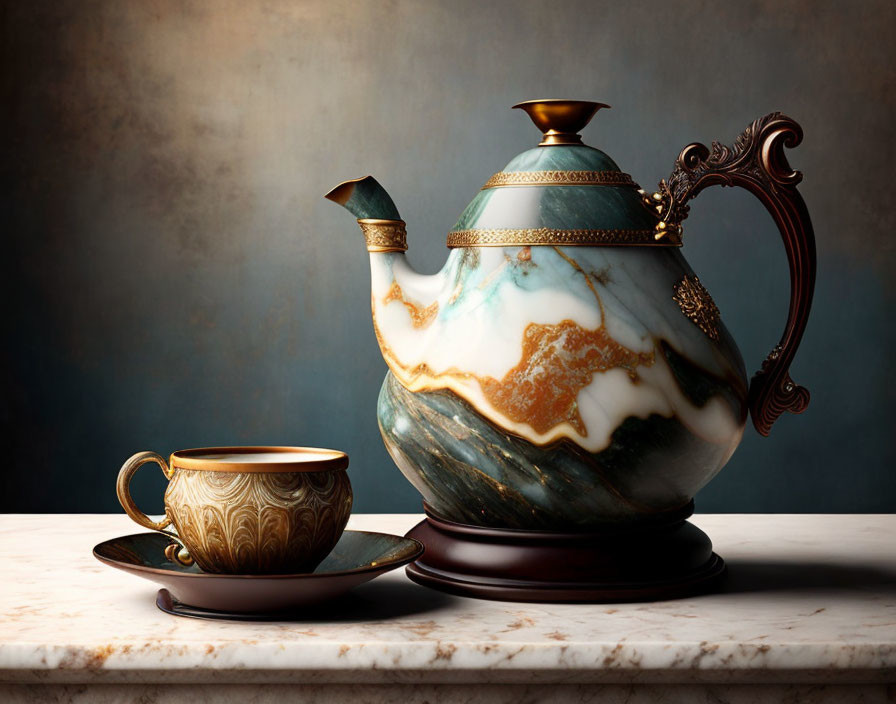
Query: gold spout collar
point(384, 235)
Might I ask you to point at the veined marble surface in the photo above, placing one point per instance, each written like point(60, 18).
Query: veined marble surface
point(809, 599)
point(586, 324)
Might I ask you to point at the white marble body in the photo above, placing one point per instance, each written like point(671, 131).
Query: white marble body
point(810, 599)
point(487, 297)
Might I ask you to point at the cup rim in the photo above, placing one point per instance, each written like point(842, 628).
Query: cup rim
point(317, 459)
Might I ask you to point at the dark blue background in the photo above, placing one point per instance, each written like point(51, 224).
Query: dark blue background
point(173, 277)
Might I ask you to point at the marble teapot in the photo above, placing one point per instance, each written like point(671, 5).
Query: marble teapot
point(566, 369)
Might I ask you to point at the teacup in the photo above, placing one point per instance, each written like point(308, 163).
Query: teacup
point(248, 510)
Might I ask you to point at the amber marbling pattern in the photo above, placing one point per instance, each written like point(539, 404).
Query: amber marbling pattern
point(259, 522)
point(551, 388)
point(553, 343)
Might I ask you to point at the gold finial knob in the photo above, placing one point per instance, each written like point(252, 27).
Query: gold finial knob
point(560, 120)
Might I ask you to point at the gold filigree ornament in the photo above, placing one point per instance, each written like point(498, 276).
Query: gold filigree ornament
point(559, 178)
point(503, 237)
point(696, 303)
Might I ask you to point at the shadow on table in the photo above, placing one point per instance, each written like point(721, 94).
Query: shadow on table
point(381, 600)
point(746, 576)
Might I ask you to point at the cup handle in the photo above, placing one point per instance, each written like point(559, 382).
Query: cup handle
point(174, 552)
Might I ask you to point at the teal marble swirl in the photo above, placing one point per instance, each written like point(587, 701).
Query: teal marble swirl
point(470, 471)
point(557, 207)
point(562, 158)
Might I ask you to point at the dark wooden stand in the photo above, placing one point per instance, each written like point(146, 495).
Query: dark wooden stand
point(665, 558)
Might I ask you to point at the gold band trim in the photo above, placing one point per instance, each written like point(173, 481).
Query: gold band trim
point(291, 459)
point(566, 238)
point(559, 178)
point(384, 235)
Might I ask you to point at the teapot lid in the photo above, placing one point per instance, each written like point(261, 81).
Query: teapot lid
point(561, 193)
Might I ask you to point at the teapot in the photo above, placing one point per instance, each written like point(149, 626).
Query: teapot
point(563, 387)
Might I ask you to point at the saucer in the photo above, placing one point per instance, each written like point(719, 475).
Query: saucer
point(358, 557)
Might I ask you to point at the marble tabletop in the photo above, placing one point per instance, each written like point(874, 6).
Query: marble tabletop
point(809, 598)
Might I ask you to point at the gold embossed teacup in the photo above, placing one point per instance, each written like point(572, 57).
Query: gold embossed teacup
point(248, 510)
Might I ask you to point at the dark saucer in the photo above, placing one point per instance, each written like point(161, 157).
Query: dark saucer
point(665, 558)
point(358, 557)
point(170, 605)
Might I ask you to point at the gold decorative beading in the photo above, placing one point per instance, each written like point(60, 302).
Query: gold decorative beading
point(548, 236)
point(696, 303)
point(559, 178)
point(384, 235)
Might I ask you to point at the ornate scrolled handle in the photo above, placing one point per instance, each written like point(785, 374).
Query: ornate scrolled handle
point(756, 162)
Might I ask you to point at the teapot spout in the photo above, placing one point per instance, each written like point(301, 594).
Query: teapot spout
point(364, 198)
point(367, 200)
point(405, 303)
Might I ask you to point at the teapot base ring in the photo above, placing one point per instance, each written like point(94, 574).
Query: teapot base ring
point(666, 561)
